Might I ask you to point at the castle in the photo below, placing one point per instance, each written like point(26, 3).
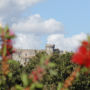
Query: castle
point(24, 55)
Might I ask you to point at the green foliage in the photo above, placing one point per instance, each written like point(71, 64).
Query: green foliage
point(35, 61)
point(59, 68)
point(4, 50)
point(36, 86)
point(25, 79)
point(43, 72)
point(59, 86)
point(18, 87)
point(82, 82)
point(13, 76)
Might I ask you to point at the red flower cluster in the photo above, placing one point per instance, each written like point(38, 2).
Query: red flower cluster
point(37, 74)
point(8, 43)
point(82, 56)
point(6, 51)
point(9, 47)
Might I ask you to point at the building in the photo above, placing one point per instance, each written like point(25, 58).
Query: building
point(50, 48)
point(24, 55)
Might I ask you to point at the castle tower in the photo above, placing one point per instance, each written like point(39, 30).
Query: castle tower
point(50, 48)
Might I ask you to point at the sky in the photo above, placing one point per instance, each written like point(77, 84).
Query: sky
point(36, 23)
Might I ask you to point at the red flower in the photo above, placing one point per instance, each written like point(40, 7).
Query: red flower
point(82, 56)
point(85, 43)
point(9, 41)
point(40, 70)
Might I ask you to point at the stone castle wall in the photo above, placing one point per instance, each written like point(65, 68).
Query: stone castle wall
point(24, 55)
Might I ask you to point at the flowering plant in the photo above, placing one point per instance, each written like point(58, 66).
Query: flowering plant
point(29, 82)
point(35, 79)
point(6, 47)
point(82, 58)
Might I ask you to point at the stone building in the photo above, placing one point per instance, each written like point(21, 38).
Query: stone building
point(24, 55)
point(50, 48)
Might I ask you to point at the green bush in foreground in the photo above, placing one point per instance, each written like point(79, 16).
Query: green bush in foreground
point(42, 72)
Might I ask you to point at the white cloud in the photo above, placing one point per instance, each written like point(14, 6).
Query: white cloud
point(25, 3)
point(66, 43)
point(31, 41)
point(10, 9)
point(27, 41)
point(29, 29)
point(35, 24)
point(21, 4)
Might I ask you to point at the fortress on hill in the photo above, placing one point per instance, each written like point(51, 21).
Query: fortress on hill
point(24, 55)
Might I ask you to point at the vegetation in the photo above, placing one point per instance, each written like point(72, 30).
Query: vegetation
point(43, 72)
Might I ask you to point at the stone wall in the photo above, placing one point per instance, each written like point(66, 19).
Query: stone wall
point(24, 55)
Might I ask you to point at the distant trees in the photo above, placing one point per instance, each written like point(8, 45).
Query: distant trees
point(43, 72)
point(61, 70)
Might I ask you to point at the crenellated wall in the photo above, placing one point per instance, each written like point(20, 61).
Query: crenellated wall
point(24, 55)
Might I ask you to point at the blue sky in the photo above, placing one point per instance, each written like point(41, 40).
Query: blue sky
point(74, 14)
point(64, 23)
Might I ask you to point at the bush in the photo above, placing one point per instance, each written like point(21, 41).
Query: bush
point(43, 72)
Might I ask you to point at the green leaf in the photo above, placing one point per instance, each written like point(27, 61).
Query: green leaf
point(39, 85)
point(10, 75)
point(9, 37)
point(4, 50)
point(25, 79)
point(6, 28)
point(3, 79)
point(78, 73)
point(51, 64)
point(32, 87)
point(36, 85)
point(42, 59)
point(18, 87)
point(59, 86)
point(84, 69)
point(52, 72)
point(12, 62)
